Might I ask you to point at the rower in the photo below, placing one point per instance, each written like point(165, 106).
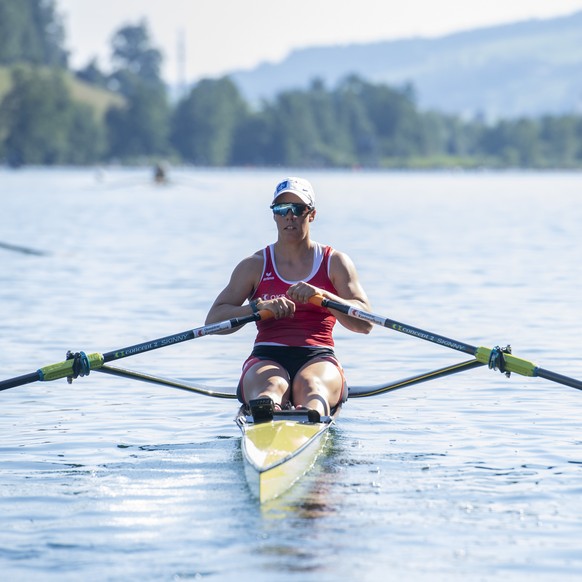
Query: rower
point(293, 362)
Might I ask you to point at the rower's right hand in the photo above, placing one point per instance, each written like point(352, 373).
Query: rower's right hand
point(280, 307)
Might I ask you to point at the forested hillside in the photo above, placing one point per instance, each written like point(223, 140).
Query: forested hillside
point(50, 114)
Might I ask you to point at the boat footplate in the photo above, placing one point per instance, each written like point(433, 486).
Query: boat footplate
point(262, 409)
point(313, 415)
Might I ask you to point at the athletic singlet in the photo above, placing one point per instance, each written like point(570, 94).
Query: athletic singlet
point(311, 325)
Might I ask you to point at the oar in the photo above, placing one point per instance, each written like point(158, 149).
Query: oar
point(495, 358)
point(81, 364)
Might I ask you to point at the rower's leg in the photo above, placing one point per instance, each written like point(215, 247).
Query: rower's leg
point(318, 385)
point(266, 379)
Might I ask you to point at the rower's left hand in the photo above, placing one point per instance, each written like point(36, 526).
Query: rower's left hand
point(301, 292)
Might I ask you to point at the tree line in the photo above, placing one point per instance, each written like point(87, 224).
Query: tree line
point(356, 123)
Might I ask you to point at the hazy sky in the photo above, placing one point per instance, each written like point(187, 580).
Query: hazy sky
point(220, 36)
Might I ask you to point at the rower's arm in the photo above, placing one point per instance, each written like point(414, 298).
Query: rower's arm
point(230, 302)
point(345, 279)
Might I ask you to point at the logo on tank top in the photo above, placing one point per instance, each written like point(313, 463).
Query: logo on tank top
point(268, 276)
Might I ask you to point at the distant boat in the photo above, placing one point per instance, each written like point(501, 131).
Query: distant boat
point(160, 174)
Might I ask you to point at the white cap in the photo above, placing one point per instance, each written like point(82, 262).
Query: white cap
point(298, 186)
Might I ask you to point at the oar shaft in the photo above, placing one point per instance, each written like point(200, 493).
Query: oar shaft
point(184, 336)
point(483, 355)
point(559, 378)
point(19, 381)
point(395, 325)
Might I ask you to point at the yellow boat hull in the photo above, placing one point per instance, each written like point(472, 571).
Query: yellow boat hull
point(278, 453)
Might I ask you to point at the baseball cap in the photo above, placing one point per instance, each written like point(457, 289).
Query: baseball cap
point(298, 186)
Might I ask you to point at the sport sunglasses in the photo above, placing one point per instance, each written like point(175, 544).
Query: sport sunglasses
point(296, 208)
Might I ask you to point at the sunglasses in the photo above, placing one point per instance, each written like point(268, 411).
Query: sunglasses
point(296, 208)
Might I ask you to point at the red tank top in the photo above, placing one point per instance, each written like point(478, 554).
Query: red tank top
point(311, 325)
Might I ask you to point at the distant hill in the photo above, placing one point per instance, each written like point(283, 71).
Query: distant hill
point(523, 69)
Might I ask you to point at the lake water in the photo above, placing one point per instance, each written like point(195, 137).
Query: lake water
point(472, 477)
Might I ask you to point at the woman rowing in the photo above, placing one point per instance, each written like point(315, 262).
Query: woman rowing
point(293, 362)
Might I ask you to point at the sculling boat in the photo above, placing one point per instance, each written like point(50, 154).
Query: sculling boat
point(279, 446)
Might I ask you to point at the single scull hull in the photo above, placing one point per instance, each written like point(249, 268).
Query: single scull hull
point(278, 452)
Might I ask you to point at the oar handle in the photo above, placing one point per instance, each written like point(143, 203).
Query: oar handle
point(317, 299)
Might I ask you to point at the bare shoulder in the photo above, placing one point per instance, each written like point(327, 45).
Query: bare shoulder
point(246, 275)
point(345, 278)
point(341, 262)
point(251, 266)
point(243, 281)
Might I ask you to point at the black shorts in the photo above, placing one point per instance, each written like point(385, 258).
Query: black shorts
point(292, 359)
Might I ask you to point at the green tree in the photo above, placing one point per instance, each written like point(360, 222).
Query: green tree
point(141, 127)
point(296, 139)
point(93, 75)
point(253, 141)
point(133, 54)
point(334, 144)
point(359, 129)
point(206, 121)
point(559, 142)
point(395, 118)
point(86, 137)
point(32, 32)
point(513, 143)
point(43, 125)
